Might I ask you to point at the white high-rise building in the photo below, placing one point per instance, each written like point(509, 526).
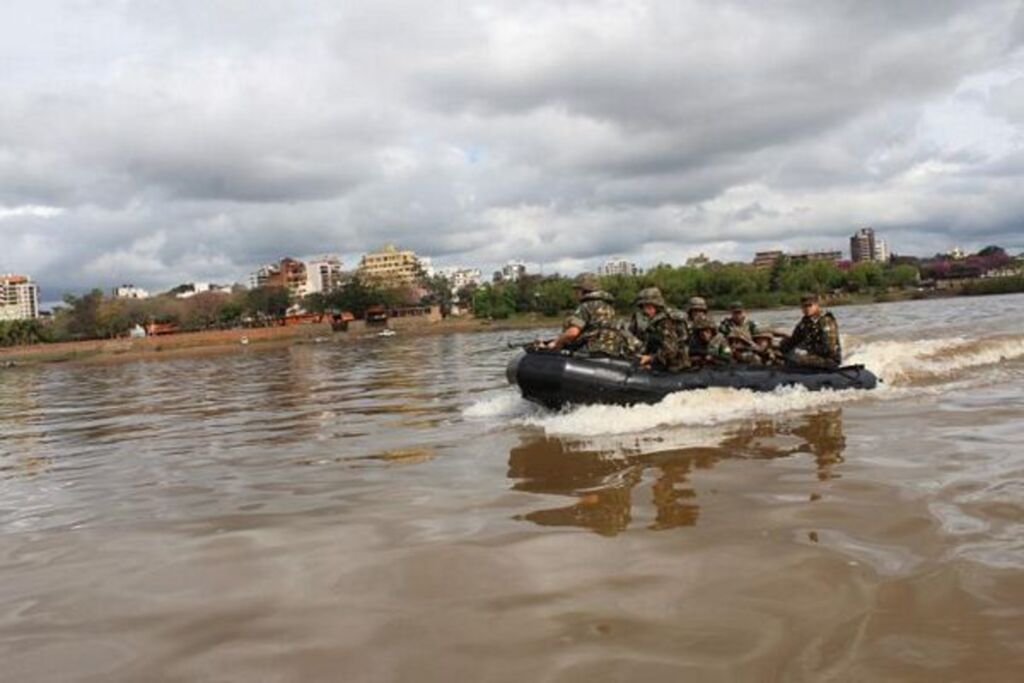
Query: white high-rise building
point(881, 251)
point(19, 298)
point(618, 266)
point(323, 275)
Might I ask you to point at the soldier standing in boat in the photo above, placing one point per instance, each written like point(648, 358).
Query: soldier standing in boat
point(815, 339)
point(592, 327)
point(655, 328)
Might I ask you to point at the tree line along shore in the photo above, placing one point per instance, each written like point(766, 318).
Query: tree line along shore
point(532, 300)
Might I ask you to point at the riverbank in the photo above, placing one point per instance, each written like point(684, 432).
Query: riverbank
point(226, 341)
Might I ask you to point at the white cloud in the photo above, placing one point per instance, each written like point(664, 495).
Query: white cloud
point(185, 140)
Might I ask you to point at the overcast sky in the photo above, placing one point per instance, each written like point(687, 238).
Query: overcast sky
point(157, 142)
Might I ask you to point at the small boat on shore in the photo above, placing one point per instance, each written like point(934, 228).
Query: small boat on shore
point(386, 333)
point(554, 379)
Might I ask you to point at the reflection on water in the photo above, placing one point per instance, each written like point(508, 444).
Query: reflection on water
point(605, 482)
point(390, 510)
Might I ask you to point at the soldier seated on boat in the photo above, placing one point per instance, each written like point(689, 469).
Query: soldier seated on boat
point(815, 339)
point(766, 348)
point(696, 310)
point(707, 345)
point(655, 328)
point(744, 349)
point(592, 327)
point(738, 320)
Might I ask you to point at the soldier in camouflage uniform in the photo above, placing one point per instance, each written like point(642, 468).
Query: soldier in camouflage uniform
point(654, 327)
point(815, 337)
point(738, 320)
point(744, 350)
point(592, 327)
point(764, 344)
point(696, 310)
point(707, 345)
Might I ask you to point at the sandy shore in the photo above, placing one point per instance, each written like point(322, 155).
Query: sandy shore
point(226, 341)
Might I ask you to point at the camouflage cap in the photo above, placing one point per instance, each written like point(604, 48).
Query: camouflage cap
point(586, 282)
point(736, 306)
point(809, 299)
point(698, 302)
point(650, 295)
point(704, 324)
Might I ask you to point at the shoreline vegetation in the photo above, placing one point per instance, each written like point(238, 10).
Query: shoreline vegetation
point(94, 326)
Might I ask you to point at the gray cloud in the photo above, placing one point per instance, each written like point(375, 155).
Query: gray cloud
point(191, 140)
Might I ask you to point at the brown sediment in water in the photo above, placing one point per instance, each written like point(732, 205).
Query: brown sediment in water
point(390, 511)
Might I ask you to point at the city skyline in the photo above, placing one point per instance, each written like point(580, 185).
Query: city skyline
point(178, 141)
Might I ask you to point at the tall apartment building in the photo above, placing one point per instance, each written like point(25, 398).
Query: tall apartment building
point(865, 245)
point(618, 266)
point(391, 267)
point(862, 245)
point(323, 275)
point(19, 298)
point(881, 251)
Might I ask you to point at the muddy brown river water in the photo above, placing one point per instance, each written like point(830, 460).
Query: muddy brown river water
point(390, 510)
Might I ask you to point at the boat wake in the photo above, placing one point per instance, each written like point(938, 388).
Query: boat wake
point(908, 369)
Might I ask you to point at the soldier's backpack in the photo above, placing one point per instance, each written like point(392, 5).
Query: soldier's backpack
point(681, 322)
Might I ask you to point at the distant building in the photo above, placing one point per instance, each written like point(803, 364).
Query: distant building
point(263, 275)
point(809, 256)
point(513, 271)
point(698, 261)
point(19, 298)
point(864, 247)
point(957, 254)
point(767, 259)
point(190, 289)
point(618, 266)
point(391, 267)
point(881, 251)
point(130, 292)
point(461, 277)
point(323, 275)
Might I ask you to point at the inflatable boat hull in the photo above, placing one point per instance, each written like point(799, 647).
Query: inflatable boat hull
point(554, 379)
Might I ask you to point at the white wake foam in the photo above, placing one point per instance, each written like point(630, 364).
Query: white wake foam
point(908, 362)
point(918, 368)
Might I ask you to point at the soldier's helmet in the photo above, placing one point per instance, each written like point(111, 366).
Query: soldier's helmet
point(698, 303)
point(808, 299)
point(586, 283)
point(705, 324)
point(650, 295)
point(736, 306)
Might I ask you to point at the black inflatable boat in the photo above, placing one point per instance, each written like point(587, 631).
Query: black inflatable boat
point(554, 379)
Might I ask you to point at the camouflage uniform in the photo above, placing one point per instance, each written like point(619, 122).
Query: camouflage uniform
point(748, 326)
point(600, 333)
point(659, 334)
point(714, 351)
point(744, 350)
point(764, 345)
point(818, 335)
